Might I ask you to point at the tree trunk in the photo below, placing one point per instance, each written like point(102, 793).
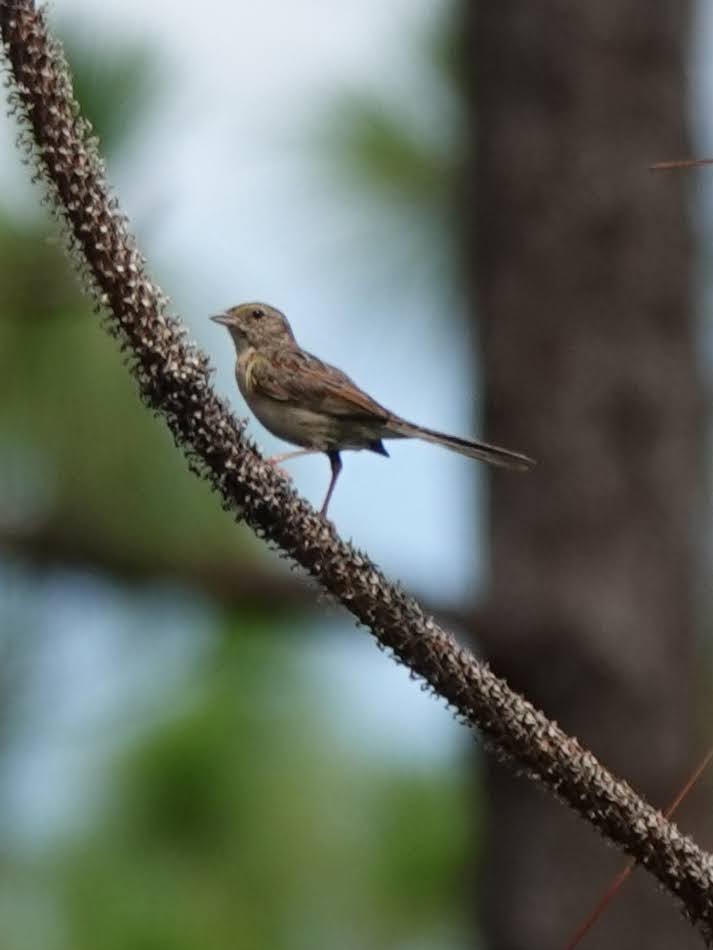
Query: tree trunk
point(581, 261)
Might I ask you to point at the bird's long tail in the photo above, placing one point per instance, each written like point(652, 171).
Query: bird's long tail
point(492, 454)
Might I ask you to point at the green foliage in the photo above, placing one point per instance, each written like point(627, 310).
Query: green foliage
point(404, 161)
point(77, 450)
point(71, 424)
point(115, 87)
point(241, 822)
point(408, 156)
point(378, 147)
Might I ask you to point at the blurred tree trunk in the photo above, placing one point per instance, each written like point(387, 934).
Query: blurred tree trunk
point(581, 261)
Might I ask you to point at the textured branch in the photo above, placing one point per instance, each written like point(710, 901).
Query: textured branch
point(173, 377)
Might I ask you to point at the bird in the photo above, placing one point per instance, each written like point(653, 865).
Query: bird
point(307, 402)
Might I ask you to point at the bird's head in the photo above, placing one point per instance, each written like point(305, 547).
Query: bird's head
point(256, 325)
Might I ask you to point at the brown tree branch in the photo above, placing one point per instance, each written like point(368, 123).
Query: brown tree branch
point(235, 584)
point(173, 377)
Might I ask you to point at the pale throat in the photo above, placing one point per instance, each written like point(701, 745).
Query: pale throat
point(239, 341)
point(244, 367)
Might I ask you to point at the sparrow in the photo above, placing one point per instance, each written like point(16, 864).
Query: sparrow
point(309, 403)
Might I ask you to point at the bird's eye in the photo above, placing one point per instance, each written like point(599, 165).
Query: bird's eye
point(258, 312)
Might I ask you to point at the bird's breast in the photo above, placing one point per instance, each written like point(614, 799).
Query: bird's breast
point(277, 415)
point(297, 421)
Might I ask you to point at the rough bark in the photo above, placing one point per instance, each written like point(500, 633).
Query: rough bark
point(581, 260)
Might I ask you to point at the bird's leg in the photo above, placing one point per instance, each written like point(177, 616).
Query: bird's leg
point(336, 463)
point(276, 459)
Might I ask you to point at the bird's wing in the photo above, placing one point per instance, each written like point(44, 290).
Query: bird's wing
point(302, 379)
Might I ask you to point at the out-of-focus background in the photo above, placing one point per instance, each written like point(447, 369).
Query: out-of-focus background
point(452, 203)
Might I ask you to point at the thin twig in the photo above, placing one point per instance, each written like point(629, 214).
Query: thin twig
point(626, 872)
point(681, 163)
point(173, 378)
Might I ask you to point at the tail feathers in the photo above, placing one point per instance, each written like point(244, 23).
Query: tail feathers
point(493, 454)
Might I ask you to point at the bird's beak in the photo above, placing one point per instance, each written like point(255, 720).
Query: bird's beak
point(221, 318)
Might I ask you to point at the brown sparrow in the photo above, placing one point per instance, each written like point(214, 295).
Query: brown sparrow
point(309, 403)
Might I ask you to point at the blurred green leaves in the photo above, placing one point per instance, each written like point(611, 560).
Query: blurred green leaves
point(240, 820)
point(240, 824)
point(403, 158)
point(377, 147)
point(77, 449)
point(116, 88)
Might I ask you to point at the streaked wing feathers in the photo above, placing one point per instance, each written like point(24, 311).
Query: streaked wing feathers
point(305, 381)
